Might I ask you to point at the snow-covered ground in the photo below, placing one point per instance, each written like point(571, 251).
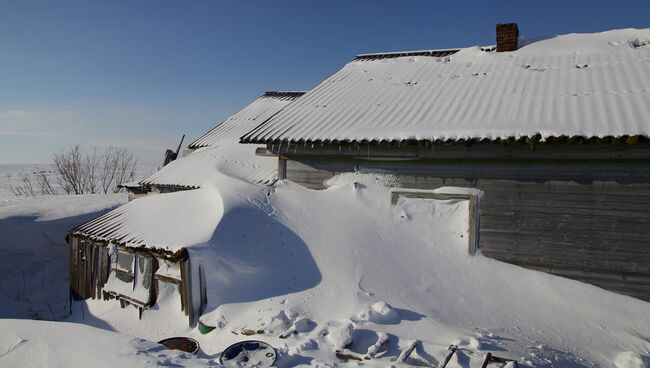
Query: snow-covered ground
point(34, 262)
point(322, 269)
point(326, 277)
point(25, 343)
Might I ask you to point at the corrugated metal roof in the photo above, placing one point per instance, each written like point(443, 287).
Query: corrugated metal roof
point(160, 221)
point(589, 85)
point(248, 118)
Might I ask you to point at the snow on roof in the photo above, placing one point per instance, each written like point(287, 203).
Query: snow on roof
point(202, 166)
point(248, 118)
point(219, 149)
point(589, 85)
point(170, 221)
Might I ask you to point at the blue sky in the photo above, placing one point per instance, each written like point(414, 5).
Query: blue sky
point(138, 74)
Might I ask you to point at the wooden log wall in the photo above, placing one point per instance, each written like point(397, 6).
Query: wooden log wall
point(585, 219)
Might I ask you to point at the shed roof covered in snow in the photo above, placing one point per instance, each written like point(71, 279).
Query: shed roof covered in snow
point(219, 149)
point(169, 222)
point(246, 119)
point(585, 85)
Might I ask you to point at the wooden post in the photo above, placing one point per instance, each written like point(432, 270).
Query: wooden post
point(282, 168)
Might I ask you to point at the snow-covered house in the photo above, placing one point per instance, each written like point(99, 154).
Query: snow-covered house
point(553, 132)
point(139, 252)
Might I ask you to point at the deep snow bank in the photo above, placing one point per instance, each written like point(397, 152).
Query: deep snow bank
point(325, 269)
point(343, 267)
point(54, 207)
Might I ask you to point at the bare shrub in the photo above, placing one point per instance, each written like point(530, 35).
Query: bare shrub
point(94, 171)
point(44, 184)
point(68, 166)
point(90, 171)
point(117, 167)
point(24, 187)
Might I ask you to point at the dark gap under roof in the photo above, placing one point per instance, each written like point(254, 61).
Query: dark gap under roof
point(390, 55)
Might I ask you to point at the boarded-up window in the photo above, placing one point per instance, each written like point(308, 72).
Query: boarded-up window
point(125, 261)
point(130, 277)
point(168, 271)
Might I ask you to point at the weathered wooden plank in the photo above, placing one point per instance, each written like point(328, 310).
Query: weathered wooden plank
point(557, 262)
point(568, 229)
point(73, 262)
point(552, 211)
point(550, 187)
point(556, 243)
point(552, 262)
point(282, 168)
point(505, 217)
point(463, 151)
point(525, 201)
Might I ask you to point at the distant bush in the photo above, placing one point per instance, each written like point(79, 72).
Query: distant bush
point(32, 184)
point(79, 172)
point(94, 172)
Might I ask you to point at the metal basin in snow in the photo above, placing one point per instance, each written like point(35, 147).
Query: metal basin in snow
point(185, 344)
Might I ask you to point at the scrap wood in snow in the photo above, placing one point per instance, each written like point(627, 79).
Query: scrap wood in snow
point(450, 352)
point(382, 340)
point(407, 351)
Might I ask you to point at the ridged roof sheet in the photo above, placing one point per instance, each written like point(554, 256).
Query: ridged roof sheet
point(590, 85)
point(169, 221)
point(246, 119)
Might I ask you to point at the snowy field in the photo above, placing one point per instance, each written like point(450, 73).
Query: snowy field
point(11, 176)
point(339, 269)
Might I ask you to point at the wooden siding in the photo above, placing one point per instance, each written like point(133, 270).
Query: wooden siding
point(89, 268)
point(585, 219)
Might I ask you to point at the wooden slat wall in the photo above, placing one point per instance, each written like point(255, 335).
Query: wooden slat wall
point(74, 266)
point(89, 268)
point(588, 220)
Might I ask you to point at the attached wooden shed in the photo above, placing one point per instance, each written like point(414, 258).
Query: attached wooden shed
point(135, 252)
point(555, 134)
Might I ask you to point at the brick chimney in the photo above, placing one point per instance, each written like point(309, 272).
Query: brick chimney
point(507, 34)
